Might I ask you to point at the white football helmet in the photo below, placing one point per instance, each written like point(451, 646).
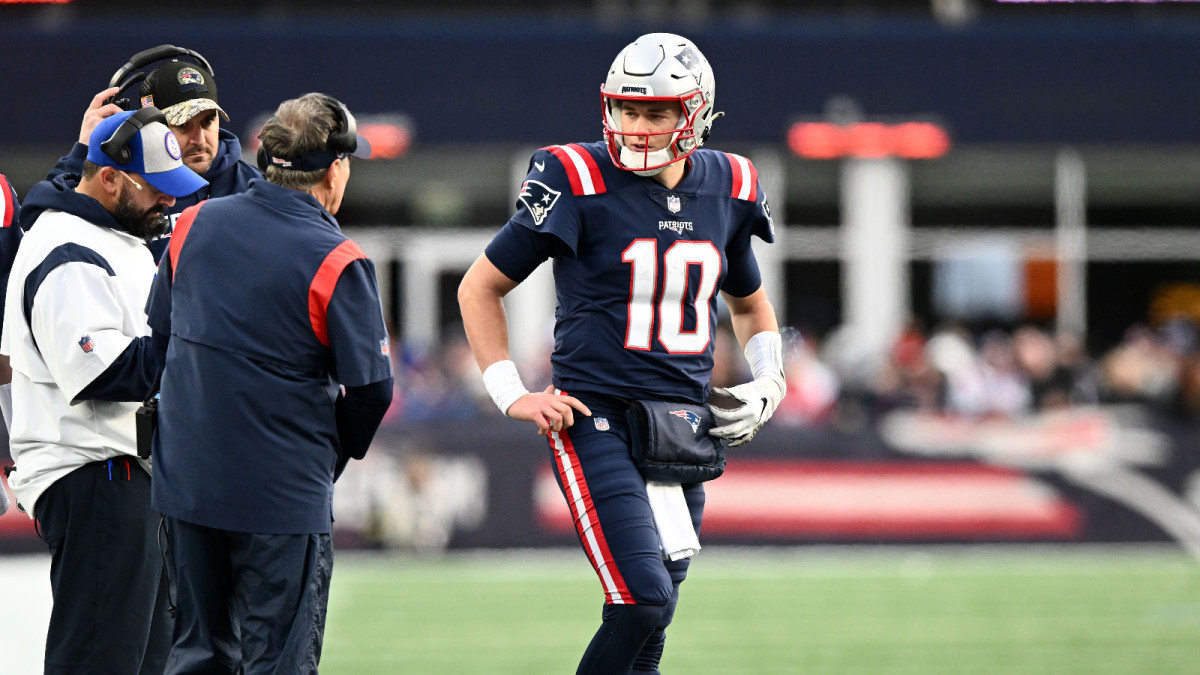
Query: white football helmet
point(659, 67)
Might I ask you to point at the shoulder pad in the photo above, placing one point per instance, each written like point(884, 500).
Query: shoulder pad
point(582, 169)
point(745, 178)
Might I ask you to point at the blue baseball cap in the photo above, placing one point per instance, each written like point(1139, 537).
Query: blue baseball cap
point(153, 152)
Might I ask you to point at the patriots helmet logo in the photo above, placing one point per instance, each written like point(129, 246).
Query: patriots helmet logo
point(690, 59)
point(687, 416)
point(539, 198)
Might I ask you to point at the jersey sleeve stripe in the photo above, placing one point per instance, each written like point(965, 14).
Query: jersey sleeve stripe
point(180, 232)
point(320, 290)
point(6, 203)
point(581, 168)
point(745, 178)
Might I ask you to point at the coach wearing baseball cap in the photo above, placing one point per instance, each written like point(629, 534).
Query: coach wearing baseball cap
point(76, 332)
point(186, 92)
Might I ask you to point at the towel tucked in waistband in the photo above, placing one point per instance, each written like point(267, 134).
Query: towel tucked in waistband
point(673, 520)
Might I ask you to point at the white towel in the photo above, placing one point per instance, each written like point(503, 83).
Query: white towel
point(676, 535)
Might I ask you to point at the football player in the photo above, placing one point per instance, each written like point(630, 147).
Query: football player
point(645, 227)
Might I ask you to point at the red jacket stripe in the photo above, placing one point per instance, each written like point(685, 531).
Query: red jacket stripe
point(320, 290)
point(587, 524)
point(582, 170)
point(745, 178)
point(6, 203)
point(180, 232)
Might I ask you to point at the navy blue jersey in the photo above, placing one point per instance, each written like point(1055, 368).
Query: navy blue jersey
point(637, 266)
point(269, 307)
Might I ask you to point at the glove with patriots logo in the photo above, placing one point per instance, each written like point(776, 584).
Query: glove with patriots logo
point(742, 410)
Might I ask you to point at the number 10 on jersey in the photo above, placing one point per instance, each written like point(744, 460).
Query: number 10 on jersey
point(646, 270)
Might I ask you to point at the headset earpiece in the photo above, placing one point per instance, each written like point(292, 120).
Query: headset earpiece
point(117, 145)
point(345, 138)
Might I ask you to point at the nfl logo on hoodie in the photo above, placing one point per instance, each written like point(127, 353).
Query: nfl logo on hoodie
point(86, 344)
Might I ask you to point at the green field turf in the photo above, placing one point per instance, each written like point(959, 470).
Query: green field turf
point(957, 611)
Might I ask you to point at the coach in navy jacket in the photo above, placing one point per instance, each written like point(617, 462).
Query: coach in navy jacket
point(265, 310)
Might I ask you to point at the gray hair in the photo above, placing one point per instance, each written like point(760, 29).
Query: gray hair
point(299, 125)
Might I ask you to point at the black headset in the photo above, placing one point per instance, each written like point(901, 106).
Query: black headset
point(122, 79)
point(117, 145)
point(342, 140)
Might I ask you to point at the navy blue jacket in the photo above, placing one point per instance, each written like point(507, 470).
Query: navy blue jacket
point(268, 308)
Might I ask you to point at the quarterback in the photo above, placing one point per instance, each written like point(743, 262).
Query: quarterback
point(646, 229)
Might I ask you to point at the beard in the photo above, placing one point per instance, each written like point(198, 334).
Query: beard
point(145, 224)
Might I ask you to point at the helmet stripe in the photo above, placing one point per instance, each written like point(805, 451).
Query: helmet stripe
point(745, 178)
point(582, 170)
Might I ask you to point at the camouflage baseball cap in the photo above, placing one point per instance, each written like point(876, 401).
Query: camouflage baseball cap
point(181, 90)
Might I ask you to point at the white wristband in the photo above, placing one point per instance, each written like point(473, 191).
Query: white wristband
point(764, 352)
point(503, 383)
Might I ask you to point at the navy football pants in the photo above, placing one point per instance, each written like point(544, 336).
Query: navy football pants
point(248, 604)
point(607, 499)
point(106, 572)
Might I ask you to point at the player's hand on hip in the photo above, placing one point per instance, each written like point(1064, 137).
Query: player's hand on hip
point(548, 410)
point(742, 410)
point(97, 110)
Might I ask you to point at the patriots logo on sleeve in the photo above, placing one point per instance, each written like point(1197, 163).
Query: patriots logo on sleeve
point(767, 212)
point(539, 198)
point(688, 416)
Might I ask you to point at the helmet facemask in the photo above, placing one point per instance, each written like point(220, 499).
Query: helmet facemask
point(648, 162)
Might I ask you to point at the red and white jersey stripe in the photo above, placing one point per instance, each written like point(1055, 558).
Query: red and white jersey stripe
point(745, 178)
point(582, 170)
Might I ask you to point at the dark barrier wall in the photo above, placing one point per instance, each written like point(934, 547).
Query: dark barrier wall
point(1107, 475)
point(535, 79)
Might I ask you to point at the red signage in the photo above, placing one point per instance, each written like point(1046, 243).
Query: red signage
point(907, 140)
